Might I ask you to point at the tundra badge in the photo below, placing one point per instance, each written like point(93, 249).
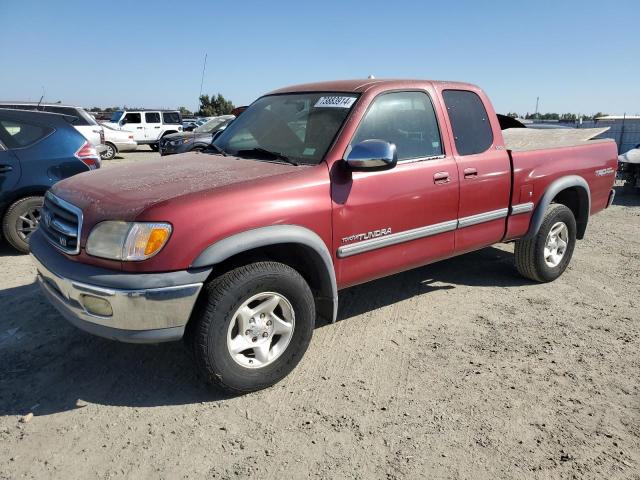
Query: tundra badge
point(366, 236)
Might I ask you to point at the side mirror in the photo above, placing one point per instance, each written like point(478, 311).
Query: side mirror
point(123, 122)
point(372, 155)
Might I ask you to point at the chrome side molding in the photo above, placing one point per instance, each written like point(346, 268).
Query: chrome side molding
point(430, 230)
point(395, 238)
point(522, 208)
point(482, 217)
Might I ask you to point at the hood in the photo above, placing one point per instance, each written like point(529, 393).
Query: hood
point(123, 192)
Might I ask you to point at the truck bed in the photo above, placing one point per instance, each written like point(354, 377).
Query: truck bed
point(526, 139)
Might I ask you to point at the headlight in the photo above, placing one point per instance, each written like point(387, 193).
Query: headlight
point(127, 241)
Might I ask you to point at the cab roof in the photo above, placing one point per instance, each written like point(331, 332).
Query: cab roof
point(362, 85)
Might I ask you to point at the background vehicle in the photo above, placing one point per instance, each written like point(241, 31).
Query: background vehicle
point(83, 122)
point(198, 139)
point(36, 150)
point(147, 126)
point(195, 123)
point(314, 188)
point(629, 167)
point(117, 141)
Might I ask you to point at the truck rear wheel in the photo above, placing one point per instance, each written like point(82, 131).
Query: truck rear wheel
point(252, 326)
point(544, 257)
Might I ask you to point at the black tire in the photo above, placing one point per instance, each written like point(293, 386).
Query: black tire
point(154, 147)
point(529, 254)
point(110, 152)
point(20, 221)
point(210, 325)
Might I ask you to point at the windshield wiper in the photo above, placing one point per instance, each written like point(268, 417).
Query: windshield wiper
point(264, 151)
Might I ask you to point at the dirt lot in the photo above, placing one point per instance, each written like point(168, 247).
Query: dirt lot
point(461, 369)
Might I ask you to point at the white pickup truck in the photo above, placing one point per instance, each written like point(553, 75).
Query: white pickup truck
point(147, 126)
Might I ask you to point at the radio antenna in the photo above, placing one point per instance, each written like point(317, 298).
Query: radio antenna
point(204, 67)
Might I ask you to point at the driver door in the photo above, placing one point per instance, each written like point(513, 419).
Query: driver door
point(389, 221)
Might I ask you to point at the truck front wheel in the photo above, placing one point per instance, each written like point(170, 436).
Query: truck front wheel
point(544, 257)
point(252, 326)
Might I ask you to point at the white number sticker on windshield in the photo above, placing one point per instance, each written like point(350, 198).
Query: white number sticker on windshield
point(335, 102)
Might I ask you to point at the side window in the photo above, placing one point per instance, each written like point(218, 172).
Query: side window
point(469, 121)
point(171, 117)
point(406, 119)
point(19, 134)
point(152, 117)
point(133, 118)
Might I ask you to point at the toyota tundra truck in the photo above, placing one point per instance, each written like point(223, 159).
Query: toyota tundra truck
point(240, 249)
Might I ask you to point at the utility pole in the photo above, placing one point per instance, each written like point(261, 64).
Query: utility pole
point(204, 66)
point(535, 115)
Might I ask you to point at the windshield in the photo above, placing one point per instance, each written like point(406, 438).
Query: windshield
point(297, 126)
point(115, 118)
point(211, 124)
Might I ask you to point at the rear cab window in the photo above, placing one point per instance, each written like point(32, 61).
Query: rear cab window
point(472, 131)
point(17, 134)
point(171, 118)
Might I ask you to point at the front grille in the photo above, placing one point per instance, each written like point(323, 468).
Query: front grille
point(61, 223)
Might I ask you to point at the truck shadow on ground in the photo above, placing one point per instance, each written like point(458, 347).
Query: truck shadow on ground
point(49, 366)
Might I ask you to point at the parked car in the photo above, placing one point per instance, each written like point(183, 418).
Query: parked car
point(117, 141)
point(315, 188)
point(629, 168)
point(188, 125)
point(83, 122)
point(193, 124)
point(198, 139)
point(147, 126)
point(36, 150)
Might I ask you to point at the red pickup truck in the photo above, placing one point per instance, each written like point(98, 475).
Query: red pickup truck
point(314, 188)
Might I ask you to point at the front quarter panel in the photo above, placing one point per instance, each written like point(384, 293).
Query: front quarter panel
point(199, 220)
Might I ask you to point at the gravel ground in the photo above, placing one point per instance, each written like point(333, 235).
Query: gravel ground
point(461, 369)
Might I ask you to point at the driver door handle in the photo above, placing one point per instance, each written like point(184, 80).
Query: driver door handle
point(4, 168)
point(441, 177)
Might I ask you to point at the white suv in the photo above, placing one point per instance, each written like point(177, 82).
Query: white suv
point(147, 126)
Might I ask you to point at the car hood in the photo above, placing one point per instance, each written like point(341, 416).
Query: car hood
point(123, 192)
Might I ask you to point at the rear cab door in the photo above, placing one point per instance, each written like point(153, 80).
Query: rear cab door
point(152, 125)
point(483, 166)
point(389, 221)
point(9, 163)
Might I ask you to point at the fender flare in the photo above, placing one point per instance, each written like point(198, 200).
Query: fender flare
point(274, 235)
point(550, 193)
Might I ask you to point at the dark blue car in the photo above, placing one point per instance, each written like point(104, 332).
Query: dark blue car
point(36, 150)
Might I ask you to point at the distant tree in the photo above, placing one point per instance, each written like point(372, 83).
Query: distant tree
point(95, 109)
point(214, 105)
point(184, 111)
point(513, 115)
point(599, 114)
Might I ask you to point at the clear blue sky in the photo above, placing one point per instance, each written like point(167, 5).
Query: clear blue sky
point(577, 56)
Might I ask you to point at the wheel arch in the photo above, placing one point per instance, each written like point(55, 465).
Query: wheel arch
point(115, 147)
point(571, 191)
point(296, 246)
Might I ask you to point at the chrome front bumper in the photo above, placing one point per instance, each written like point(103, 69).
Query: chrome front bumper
point(138, 315)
